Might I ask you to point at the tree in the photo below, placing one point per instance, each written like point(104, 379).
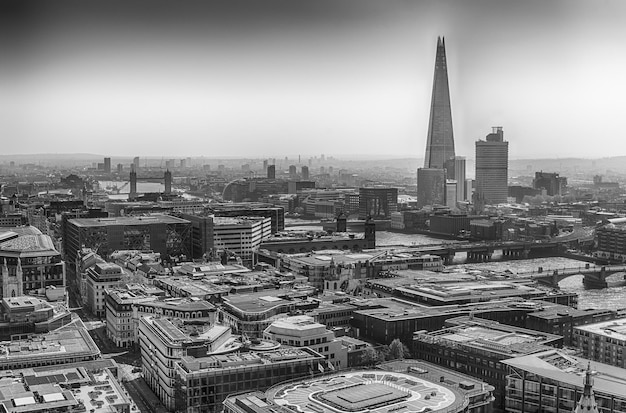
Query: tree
point(397, 350)
point(369, 356)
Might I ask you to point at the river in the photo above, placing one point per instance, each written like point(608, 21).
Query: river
point(612, 298)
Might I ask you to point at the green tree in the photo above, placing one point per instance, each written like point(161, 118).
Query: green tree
point(397, 350)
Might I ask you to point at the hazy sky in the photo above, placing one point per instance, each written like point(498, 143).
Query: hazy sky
point(263, 77)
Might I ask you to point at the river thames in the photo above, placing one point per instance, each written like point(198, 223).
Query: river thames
point(611, 298)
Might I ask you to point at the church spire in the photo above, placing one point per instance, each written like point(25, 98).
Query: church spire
point(587, 402)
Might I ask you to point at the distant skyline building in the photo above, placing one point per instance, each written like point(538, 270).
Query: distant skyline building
point(459, 177)
point(440, 141)
point(492, 165)
point(107, 165)
point(271, 171)
point(430, 186)
point(136, 162)
point(305, 173)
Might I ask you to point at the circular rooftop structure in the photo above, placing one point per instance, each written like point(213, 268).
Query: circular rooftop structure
point(372, 391)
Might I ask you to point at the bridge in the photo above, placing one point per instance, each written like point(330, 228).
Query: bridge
point(594, 276)
point(483, 251)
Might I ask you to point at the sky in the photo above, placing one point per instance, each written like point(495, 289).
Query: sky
point(261, 78)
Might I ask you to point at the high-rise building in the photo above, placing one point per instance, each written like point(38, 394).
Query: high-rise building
point(552, 183)
point(292, 172)
point(431, 180)
point(492, 164)
point(107, 165)
point(271, 171)
point(459, 177)
point(168, 181)
point(451, 194)
point(305, 173)
point(377, 203)
point(136, 162)
point(430, 186)
point(440, 143)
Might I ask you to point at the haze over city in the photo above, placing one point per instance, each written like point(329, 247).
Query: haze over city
point(245, 78)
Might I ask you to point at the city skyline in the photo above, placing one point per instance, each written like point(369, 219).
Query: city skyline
point(344, 78)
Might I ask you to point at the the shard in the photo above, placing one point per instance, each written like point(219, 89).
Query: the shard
point(440, 143)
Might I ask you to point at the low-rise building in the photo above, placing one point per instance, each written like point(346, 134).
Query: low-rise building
point(302, 331)
point(553, 381)
point(70, 388)
point(604, 342)
point(68, 344)
point(25, 315)
point(477, 347)
point(203, 383)
point(407, 385)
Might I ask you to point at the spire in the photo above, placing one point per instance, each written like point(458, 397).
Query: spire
point(440, 139)
point(587, 402)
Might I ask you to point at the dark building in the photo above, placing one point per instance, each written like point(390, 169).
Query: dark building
point(552, 183)
point(440, 141)
point(271, 171)
point(201, 234)
point(477, 347)
point(305, 173)
point(107, 165)
point(168, 182)
point(292, 172)
point(431, 185)
point(519, 192)
point(163, 234)
point(492, 165)
point(452, 225)
point(377, 203)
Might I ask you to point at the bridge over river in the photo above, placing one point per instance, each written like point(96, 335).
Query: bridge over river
point(594, 276)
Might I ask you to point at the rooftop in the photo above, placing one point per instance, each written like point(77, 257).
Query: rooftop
point(565, 368)
point(612, 328)
point(30, 245)
point(127, 221)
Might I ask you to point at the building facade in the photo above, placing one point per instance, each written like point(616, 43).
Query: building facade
point(492, 165)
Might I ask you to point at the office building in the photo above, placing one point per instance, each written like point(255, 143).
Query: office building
point(305, 173)
point(303, 331)
point(241, 236)
point(440, 141)
point(459, 177)
point(431, 187)
point(97, 279)
point(476, 347)
point(377, 203)
point(604, 342)
point(163, 234)
point(68, 344)
point(203, 383)
point(551, 183)
point(271, 171)
point(451, 195)
point(611, 241)
point(556, 381)
point(164, 341)
point(492, 165)
point(71, 388)
point(107, 165)
point(136, 162)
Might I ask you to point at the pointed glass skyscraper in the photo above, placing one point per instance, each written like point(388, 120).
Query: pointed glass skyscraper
point(440, 143)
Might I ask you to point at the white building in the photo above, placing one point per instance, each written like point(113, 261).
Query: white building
point(241, 235)
point(303, 331)
point(100, 277)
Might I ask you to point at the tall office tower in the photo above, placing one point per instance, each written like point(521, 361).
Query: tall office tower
point(107, 165)
point(451, 196)
point(133, 182)
point(459, 177)
point(430, 186)
point(120, 168)
point(492, 165)
point(440, 143)
point(271, 171)
point(168, 181)
point(293, 174)
point(305, 173)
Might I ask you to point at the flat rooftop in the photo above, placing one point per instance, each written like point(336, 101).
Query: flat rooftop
point(565, 368)
point(69, 340)
point(127, 221)
point(374, 391)
point(613, 328)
